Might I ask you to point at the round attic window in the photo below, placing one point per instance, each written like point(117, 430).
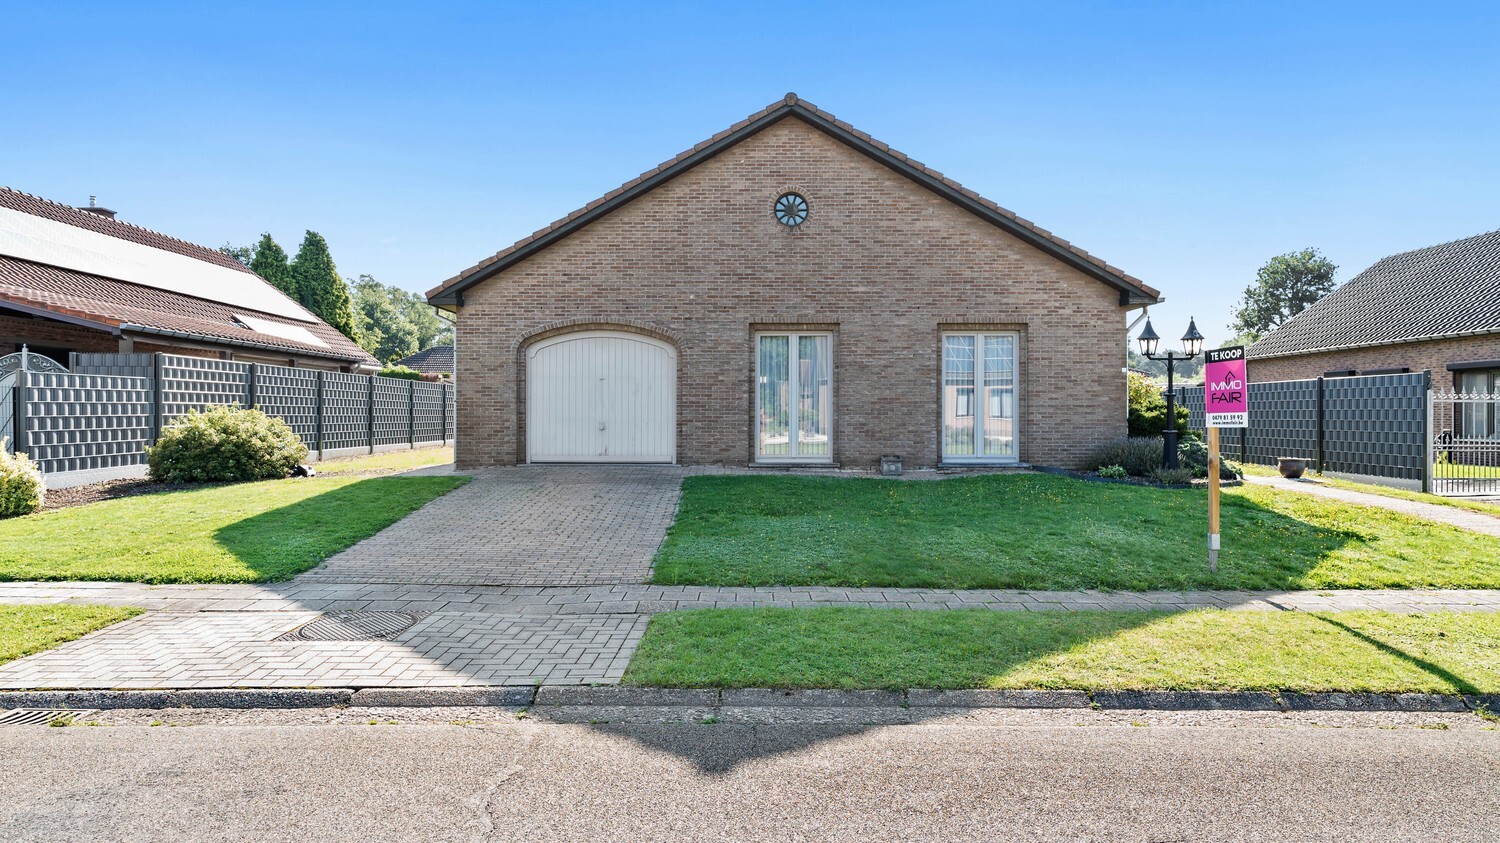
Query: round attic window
point(790, 209)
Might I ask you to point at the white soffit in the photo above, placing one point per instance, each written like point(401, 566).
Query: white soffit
point(295, 333)
point(41, 240)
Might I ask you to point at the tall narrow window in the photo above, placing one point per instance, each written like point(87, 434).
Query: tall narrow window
point(794, 398)
point(979, 428)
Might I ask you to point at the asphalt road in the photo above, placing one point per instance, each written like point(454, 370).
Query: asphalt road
point(1045, 776)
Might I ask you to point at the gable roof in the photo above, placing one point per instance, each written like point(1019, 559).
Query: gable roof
point(1443, 291)
point(1132, 290)
point(437, 360)
point(41, 275)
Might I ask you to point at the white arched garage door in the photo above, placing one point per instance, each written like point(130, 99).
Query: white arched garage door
point(601, 396)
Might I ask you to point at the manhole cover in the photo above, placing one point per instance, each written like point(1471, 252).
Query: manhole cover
point(354, 626)
point(41, 716)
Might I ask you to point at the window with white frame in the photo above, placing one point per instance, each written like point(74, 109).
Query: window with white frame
point(794, 397)
point(982, 363)
point(1479, 419)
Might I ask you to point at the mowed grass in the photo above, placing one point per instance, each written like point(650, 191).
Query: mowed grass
point(32, 628)
point(387, 463)
point(241, 532)
point(1035, 531)
point(1388, 491)
point(1202, 650)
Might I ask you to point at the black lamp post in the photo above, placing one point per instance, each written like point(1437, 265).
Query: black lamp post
point(1192, 344)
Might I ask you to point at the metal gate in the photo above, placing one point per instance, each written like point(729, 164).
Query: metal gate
point(1464, 457)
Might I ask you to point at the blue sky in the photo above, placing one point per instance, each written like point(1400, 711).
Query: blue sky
point(1184, 142)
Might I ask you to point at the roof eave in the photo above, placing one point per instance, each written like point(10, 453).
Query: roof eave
point(134, 328)
point(1250, 354)
point(450, 295)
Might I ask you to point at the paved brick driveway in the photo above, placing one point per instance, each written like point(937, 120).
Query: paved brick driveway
point(525, 525)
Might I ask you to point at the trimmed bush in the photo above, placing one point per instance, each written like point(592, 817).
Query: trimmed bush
point(403, 372)
point(21, 489)
point(224, 444)
point(1148, 409)
point(1193, 454)
point(1138, 455)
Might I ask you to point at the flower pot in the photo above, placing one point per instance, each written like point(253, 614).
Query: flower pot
point(1291, 467)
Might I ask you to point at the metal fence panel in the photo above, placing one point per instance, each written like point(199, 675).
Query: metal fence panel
point(8, 411)
point(427, 415)
point(346, 410)
point(132, 365)
point(86, 422)
point(291, 394)
point(392, 411)
point(1283, 421)
point(1375, 425)
point(451, 392)
point(197, 383)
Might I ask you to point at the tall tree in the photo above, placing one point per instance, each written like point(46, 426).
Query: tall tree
point(319, 287)
point(384, 330)
point(271, 264)
point(1283, 288)
point(243, 254)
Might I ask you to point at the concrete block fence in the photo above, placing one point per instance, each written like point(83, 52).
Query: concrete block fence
point(94, 422)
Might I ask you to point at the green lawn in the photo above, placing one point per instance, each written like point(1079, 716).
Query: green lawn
point(1037, 531)
point(242, 532)
point(389, 462)
point(1202, 650)
point(32, 628)
point(1387, 491)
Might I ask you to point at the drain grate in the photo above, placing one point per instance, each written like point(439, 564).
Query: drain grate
point(41, 716)
point(354, 626)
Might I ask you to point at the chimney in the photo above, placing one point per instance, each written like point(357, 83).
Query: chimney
point(95, 209)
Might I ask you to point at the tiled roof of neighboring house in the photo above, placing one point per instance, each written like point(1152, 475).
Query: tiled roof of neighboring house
point(1448, 290)
point(112, 304)
point(1132, 289)
point(437, 360)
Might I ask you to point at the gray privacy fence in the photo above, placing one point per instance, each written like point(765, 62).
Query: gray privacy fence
point(1372, 426)
point(94, 422)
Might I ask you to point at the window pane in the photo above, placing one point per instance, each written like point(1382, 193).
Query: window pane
point(814, 396)
point(772, 398)
point(958, 395)
point(999, 396)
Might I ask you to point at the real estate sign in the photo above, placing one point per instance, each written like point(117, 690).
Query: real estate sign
point(1226, 390)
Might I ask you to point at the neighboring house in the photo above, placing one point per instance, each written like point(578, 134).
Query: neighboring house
point(1435, 309)
point(437, 360)
point(790, 291)
point(78, 280)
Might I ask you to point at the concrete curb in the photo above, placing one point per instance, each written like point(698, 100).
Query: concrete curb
point(579, 697)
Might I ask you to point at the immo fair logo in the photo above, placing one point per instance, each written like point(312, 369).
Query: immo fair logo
point(1226, 390)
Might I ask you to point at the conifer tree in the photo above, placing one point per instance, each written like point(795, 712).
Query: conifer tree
point(271, 264)
point(319, 287)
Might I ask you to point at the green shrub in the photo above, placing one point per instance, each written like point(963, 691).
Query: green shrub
point(1193, 454)
point(403, 372)
point(224, 443)
point(1148, 409)
point(1138, 455)
point(21, 489)
point(1172, 476)
point(1114, 472)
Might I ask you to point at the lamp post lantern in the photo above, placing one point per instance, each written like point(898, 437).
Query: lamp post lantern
point(1192, 345)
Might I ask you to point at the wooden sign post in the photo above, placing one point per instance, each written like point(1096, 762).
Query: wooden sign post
point(1226, 394)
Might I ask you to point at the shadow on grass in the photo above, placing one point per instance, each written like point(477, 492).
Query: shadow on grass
point(295, 538)
point(1436, 670)
point(998, 531)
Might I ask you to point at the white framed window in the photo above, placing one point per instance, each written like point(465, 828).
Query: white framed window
point(982, 362)
point(794, 397)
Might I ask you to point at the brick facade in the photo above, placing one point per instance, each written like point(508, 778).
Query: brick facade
point(883, 263)
point(1434, 355)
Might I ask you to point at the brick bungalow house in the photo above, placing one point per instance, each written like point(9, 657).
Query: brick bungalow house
point(1435, 309)
point(78, 280)
point(790, 291)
